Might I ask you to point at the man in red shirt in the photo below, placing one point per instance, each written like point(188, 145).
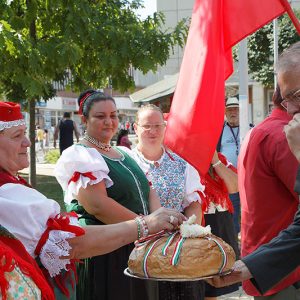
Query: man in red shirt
point(277, 260)
point(268, 172)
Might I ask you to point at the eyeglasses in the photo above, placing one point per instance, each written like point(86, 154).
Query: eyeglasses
point(148, 127)
point(293, 98)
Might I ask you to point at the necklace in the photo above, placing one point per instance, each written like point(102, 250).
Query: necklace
point(98, 144)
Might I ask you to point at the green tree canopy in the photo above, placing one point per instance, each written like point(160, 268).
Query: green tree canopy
point(260, 49)
point(47, 40)
point(87, 42)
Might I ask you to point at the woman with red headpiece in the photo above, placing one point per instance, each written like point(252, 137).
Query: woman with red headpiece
point(31, 225)
point(105, 186)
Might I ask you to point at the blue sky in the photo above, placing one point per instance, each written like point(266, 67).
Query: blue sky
point(150, 8)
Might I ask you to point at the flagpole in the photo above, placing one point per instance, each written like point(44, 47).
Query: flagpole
point(243, 89)
point(275, 38)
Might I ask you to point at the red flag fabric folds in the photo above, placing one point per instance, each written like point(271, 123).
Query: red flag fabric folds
point(197, 112)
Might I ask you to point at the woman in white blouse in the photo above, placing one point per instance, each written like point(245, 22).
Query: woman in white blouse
point(176, 182)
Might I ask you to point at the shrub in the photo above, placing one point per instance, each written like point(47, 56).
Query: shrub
point(52, 156)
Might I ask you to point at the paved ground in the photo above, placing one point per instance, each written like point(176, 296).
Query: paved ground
point(240, 294)
point(41, 169)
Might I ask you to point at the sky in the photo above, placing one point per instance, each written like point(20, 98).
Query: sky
point(150, 8)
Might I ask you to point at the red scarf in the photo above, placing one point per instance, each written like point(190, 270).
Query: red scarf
point(5, 177)
point(215, 188)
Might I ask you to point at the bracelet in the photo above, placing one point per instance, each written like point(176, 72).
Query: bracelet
point(144, 226)
point(138, 223)
point(216, 164)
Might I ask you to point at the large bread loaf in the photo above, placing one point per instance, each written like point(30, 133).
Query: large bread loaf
point(183, 259)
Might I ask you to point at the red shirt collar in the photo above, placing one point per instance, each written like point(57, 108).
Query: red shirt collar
point(5, 178)
point(282, 114)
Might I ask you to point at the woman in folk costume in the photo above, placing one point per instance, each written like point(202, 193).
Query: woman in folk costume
point(220, 180)
point(31, 226)
point(176, 182)
point(105, 186)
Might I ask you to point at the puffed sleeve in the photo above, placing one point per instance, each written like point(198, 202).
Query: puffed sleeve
point(193, 186)
point(79, 166)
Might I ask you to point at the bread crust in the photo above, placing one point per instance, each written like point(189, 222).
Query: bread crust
point(199, 257)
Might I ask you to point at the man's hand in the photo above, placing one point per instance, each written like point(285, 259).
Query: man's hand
point(239, 273)
point(292, 131)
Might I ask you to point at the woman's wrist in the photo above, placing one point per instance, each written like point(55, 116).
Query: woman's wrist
point(142, 227)
point(214, 165)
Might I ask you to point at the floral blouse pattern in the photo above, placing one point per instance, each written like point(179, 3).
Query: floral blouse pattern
point(168, 179)
point(21, 286)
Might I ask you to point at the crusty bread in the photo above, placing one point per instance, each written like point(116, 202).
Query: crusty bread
point(199, 257)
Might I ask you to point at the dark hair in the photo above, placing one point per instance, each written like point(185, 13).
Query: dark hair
point(67, 115)
point(95, 96)
point(277, 99)
point(122, 132)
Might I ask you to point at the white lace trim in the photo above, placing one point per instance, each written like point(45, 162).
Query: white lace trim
point(4, 125)
point(55, 247)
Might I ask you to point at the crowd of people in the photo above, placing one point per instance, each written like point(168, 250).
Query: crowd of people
point(117, 194)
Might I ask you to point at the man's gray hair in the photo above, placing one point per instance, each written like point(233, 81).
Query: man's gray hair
point(289, 59)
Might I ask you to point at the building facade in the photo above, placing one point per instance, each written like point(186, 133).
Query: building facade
point(50, 112)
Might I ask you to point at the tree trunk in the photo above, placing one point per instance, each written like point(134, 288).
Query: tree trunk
point(32, 170)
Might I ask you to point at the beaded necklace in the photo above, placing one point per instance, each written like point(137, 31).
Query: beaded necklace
point(98, 144)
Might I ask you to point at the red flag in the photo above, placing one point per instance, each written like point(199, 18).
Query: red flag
point(197, 111)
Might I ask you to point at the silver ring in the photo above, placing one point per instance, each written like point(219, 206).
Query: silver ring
point(172, 219)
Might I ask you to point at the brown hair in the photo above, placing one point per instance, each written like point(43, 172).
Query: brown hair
point(147, 107)
point(277, 99)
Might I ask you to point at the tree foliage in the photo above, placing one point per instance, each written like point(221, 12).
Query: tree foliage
point(260, 49)
point(46, 40)
point(87, 42)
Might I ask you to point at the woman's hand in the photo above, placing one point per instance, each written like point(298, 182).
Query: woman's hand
point(163, 218)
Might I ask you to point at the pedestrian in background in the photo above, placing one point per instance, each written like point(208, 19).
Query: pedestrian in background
point(229, 145)
point(65, 129)
point(46, 138)
point(40, 137)
point(123, 140)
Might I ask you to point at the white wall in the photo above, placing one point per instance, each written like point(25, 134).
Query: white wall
point(174, 11)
